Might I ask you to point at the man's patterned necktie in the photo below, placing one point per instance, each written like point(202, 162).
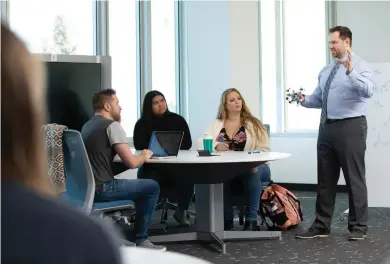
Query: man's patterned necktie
point(324, 109)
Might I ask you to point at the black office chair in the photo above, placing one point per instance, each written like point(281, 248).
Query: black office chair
point(168, 201)
point(168, 195)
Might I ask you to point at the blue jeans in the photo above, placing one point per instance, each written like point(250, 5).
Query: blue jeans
point(252, 191)
point(184, 191)
point(143, 192)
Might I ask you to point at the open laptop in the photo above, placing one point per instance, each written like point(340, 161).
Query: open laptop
point(165, 144)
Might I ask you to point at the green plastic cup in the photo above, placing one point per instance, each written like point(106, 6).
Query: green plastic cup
point(208, 143)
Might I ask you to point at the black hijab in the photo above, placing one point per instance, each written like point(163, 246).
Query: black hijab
point(147, 110)
point(150, 122)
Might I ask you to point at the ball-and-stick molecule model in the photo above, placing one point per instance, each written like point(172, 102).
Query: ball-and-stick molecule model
point(293, 96)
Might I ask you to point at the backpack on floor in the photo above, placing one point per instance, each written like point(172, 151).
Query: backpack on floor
point(281, 206)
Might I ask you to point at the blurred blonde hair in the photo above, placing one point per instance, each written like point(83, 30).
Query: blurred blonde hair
point(22, 115)
point(250, 122)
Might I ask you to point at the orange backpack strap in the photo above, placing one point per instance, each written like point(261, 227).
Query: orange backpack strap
point(294, 198)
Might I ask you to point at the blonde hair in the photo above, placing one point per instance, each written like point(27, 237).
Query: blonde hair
point(247, 119)
point(22, 115)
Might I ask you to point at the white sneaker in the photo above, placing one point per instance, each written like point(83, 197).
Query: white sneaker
point(150, 245)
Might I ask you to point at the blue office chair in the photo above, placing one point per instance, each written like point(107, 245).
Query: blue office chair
point(80, 182)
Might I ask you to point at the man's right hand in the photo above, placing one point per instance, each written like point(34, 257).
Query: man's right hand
point(147, 154)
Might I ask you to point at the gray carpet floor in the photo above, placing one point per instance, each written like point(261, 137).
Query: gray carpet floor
point(335, 249)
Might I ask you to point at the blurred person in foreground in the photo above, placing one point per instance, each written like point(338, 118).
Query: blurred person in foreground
point(36, 228)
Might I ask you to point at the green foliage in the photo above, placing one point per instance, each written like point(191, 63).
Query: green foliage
point(60, 42)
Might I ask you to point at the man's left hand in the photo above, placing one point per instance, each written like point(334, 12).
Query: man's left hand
point(348, 61)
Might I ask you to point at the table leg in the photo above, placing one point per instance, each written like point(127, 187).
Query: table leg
point(241, 235)
point(209, 217)
point(220, 242)
point(209, 208)
point(209, 221)
point(209, 213)
point(181, 237)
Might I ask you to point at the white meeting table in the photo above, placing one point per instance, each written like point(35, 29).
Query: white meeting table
point(137, 255)
point(208, 174)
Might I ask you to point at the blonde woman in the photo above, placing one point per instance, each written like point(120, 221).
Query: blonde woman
point(35, 228)
point(236, 129)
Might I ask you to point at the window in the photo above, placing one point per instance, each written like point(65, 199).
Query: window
point(268, 69)
point(163, 45)
point(304, 57)
point(3, 11)
point(123, 51)
point(54, 26)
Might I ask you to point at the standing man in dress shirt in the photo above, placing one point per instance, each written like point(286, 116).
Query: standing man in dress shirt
point(344, 88)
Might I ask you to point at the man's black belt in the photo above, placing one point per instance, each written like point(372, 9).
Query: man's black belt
point(332, 121)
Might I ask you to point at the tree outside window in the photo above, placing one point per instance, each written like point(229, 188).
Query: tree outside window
point(60, 43)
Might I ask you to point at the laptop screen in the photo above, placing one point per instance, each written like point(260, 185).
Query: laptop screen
point(165, 143)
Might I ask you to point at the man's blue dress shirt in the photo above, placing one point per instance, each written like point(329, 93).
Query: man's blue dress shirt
point(348, 92)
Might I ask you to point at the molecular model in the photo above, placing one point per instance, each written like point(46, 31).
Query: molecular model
point(293, 96)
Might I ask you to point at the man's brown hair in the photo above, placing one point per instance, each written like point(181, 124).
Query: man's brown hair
point(22, 115)
point(343, 31)
point(100, 98)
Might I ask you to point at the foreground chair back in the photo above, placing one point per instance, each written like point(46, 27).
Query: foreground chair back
point(80, 182)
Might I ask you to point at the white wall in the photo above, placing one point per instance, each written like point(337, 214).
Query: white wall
point(369, 22)
point(225, 53)
point(302, 166)
point(244, 44)
point(220, 47)
point(208, 58)
point(378, 139)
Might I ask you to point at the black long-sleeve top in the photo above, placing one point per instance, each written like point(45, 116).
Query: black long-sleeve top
point(168, 122)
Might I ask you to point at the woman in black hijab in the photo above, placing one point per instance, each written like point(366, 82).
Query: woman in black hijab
point(156, 117)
